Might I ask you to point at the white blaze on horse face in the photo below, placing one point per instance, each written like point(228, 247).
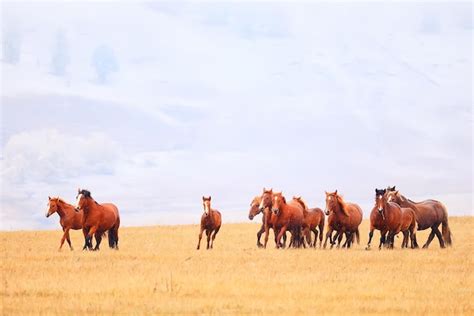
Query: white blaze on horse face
point(79, 197)
point(47, 210)
point(261, 204)
point(206, 207)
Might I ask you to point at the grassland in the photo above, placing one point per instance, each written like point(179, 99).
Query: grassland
point(158, 271)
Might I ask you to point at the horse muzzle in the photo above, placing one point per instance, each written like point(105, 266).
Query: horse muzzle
point(77, 209)
point(326, 212)
point(250, 217)
point(275, 211)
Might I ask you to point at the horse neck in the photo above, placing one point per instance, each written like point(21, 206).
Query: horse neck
point(404, 202)
point(91, 206)
point(61, 209)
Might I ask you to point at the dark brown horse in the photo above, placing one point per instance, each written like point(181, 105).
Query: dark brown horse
point(211, 221)
point(429, 214)
point(97, 220)
point(347, 217)
point(397, 219)
point(289, 216)
point(377, 221)
point(313, 219)
point(68, 218)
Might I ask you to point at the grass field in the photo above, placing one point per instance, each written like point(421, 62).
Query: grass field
point(158, 271)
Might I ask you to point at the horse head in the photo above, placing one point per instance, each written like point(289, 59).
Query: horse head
point(278, 201)
point(379, 200)
point(266, 199)
point(52, 206)
point(206, 203)
point(81, 199)
point(255, 207)
point(331, 202)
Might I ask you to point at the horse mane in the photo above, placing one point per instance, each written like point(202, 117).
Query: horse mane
point(256, 200)
point(58, 199)
point(301, 202)
point(342, 204)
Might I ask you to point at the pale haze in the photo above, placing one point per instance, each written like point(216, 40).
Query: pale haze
point(152, 105)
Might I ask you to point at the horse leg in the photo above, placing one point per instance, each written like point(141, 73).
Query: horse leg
point(69, 239)
point(440, 237)
point(214, 236)
point(87, 244)
point(280, 234)
point(284, 241)
point(371, 234)
point(267, 232)
point(199, 240)
point(208, 234)
point(315, 243)
point(259, 234)
point(430, 238)
point(98, 240)
point(328, 236)
point(405, 239)
point(339, 239)
point(62, 239)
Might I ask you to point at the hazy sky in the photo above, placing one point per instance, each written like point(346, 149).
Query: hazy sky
point(152, 105)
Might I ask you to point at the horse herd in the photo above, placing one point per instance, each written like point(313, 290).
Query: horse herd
point(392, 214)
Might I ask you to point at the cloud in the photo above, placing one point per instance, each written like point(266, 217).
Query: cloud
point(46, 155)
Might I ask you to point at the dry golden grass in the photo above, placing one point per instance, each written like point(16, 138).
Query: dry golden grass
point(158, 271)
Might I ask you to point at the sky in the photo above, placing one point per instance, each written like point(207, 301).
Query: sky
point(153, 105)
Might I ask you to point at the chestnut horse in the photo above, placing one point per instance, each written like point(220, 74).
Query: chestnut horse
point(266, 201)
point(313, 219)
point(289, 216)
point(254, 211)
point(377, 221)
point(211, 221)
point(98, 219)
point(347, 217)
point(68, 218)
point(397, 219)
point(429, 214)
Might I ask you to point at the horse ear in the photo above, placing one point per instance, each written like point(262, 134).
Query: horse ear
point(203, 197)
point(335, 192)
point(78, 190)
point(283, 198)
point(49, 198)
point(264, 189)
point(209, 197)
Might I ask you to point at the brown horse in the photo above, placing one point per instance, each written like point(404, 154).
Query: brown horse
point(289, 216)
point(68, 218)
point(254, 211)
point(397, 219)
point(313, 219)
point(347, 217)
point(211, 221)
point(429, 214)
point(377, 221)
point(269, 219)
point(98, 219)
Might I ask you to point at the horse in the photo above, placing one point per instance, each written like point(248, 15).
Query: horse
point(289, 216)
point(397, 219)
point(98, 219)
point(377, 221)
point(68, 218)
point(347, 217)
point(429, 214)
point(269, 218)
point(313, 219)
point(211, 221)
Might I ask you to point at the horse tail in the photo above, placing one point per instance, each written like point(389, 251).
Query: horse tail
point(111, 238)
point(447, 236)
point(446, 231)
point(357, 236)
